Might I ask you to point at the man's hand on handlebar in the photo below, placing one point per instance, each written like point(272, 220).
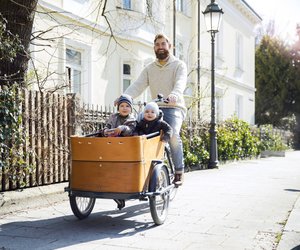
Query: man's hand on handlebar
point(172, 98)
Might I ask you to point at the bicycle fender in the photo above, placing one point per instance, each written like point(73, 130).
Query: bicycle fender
point(154, 175)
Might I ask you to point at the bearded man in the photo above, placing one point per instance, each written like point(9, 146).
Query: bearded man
point(167, 75)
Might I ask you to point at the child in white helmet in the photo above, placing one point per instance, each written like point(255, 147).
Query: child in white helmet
point(152, 122)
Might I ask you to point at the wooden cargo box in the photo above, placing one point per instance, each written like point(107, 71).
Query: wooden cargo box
point(113, 164)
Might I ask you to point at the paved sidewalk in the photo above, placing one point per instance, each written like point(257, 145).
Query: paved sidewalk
point(251, 204)
point(31, 198)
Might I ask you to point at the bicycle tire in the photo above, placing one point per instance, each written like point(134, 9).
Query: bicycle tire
point(159, 204)
point(81, 206)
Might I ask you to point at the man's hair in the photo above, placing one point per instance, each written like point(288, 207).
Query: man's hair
point(161, 35)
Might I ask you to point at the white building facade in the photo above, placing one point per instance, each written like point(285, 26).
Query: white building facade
point(98, 48)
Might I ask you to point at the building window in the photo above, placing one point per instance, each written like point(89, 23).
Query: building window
point(126, 76)
point(239, 51)
point(127, 4)
point(219, 104)
point(180, 5)
point(74, 70)
point(179, 51)
point(239, 106)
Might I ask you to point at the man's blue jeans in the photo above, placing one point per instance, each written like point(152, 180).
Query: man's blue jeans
point(175, 117)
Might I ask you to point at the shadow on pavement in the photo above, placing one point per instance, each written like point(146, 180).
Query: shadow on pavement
point(67, 230)
point(296, 248)
point(292, 190)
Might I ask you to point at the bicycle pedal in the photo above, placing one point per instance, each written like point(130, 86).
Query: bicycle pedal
point(178, 183)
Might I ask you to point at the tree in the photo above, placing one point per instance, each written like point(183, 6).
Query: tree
point(295, 92)
point(274, 81)
point(277, 79)
point(18, 24)
point(16, 20)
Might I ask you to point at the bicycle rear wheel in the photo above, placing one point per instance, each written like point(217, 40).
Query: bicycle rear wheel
point(81, 206)
point(159, 204)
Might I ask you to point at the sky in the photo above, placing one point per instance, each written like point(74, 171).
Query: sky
point(284, 12)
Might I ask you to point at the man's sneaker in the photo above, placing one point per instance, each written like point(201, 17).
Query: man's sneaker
point(178, 180)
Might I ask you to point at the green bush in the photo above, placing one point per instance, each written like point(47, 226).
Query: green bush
point(12, 136)
point(195, 146)
point(10, 45)
point(236, 140)
point(269, 140)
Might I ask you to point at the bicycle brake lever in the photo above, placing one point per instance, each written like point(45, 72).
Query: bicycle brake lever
point(160, 96)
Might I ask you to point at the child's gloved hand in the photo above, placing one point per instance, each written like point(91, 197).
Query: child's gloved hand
point(117, 131)
point(112, 132)
point(109, 132)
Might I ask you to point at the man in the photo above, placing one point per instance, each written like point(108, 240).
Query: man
point(167, 75)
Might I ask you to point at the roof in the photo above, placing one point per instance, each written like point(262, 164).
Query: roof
point(247, 10)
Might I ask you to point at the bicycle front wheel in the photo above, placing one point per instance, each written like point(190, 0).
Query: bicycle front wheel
point(82, 206)
point(159, 204)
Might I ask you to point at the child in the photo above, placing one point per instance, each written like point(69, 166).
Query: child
point(153, 122)
point(123, 122)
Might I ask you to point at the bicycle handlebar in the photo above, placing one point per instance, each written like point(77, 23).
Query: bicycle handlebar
point(160, 98)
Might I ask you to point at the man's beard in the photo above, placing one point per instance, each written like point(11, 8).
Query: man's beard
point(162, 55)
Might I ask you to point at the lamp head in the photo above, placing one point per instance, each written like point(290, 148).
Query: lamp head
point(213, 16)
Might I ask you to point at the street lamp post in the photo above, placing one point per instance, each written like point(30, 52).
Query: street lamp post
point(213, 16)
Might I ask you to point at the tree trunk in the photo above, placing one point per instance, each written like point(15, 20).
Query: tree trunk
point(297, 132)
point(19, 15)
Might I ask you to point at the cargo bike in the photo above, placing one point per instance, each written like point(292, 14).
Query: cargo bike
point(121, 168)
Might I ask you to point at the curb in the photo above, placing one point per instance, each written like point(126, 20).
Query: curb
point(291, 232)
point(12, 201)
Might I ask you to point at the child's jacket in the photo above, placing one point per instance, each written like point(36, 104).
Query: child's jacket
point(145, 127)
point(127, 124)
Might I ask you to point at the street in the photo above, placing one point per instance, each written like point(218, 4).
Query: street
point(250, 204)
